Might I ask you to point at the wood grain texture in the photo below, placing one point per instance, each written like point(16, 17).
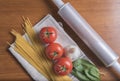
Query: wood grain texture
point(102, 15)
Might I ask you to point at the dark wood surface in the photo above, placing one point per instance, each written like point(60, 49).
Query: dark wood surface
point(102, 15)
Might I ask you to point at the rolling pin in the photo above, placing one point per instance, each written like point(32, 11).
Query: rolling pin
point(88, 35)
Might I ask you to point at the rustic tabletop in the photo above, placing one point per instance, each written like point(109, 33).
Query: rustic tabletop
point(102, 15)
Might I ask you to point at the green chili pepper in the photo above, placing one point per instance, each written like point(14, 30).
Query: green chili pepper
point(80, 76)
point(85, 71)
point(95, 72)
point(92, 78)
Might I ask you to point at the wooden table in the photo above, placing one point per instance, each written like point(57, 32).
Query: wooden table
point(102, 15)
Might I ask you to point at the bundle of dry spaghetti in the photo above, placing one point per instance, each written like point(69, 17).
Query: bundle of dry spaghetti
point(34, 52)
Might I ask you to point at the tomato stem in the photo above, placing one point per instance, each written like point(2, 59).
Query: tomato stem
point(62, 68)
point(55, 54)
point(47, 33)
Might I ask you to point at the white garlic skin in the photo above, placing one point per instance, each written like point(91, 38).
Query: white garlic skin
point(73, 52)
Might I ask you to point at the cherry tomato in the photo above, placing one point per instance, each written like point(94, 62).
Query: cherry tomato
point(54, 51)
point(48, 34)
point(63, 66)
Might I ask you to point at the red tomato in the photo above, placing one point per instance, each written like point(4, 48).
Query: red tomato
point(54, 51)
point(48, 34)
point(63, 66)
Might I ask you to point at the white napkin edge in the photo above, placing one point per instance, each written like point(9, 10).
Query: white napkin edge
point(27, 66)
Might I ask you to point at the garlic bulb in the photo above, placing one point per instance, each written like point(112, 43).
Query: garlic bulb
point(73, 52)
